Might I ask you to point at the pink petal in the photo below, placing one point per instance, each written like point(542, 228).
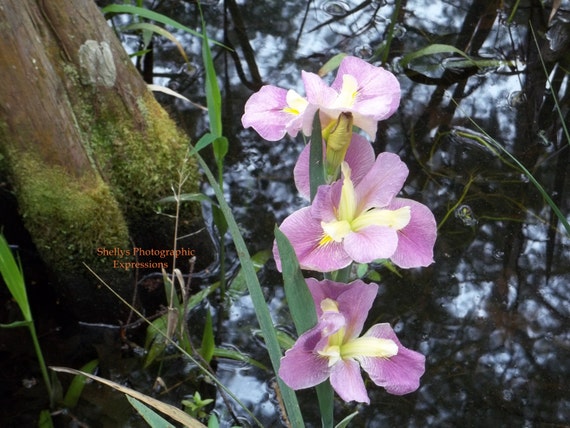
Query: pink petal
point(354, 300)
point(368, 124)
point(263, 111)
point(346, 380)
point(360, 157)
point(318, 93)
point(399, 374)
point(354, 304)
point(371, 243)
point(383, 182)
point(302, 367)
point(378, 89)
point(325, 202)
point(305, 233)
point(417, 239)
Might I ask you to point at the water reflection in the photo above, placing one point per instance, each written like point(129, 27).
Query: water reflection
point(492, 314)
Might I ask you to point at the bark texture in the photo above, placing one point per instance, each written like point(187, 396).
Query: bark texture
point(85, 147)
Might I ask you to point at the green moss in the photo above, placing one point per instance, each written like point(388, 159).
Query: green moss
point(69, 218)
point(136, 152)
point(139, 152)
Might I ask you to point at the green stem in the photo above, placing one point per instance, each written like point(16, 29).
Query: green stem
point(221, 239)
point(43, 366)
point(258, 299)
point(325, 395)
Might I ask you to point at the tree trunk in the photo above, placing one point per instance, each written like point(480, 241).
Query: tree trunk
point(85, 147)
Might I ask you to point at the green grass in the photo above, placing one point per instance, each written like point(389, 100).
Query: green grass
point(14, 278)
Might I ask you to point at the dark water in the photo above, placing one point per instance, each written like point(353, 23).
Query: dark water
point(492, 314)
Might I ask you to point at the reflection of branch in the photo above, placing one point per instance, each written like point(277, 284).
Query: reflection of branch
point(248, 54)
point(303, 23)
point(341, 17)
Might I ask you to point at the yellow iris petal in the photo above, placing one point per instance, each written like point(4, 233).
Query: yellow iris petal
point(340, 134)
point(396, 219)
point(348, 92)
point(369, 347)
point(332, 353)
point(329, 305)
point(335, 231)
point(296, 104)
point(348, 199)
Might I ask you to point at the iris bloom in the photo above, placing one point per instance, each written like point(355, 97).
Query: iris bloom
point(369, 93)
point(362, 220)
point(334, 349)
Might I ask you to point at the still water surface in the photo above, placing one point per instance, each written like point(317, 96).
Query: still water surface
point(492, 313)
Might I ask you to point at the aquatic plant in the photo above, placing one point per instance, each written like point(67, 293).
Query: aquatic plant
point(354, 216)
point(362, 221)
point(368, 93)
point(333, 348)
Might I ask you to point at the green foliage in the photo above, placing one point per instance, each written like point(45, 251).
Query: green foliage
point(316, 164)
point(173, 412)
point(195, 407)
point(260, 306)
point(77, 384)
point(208, 345)
point(238, 286)
point(149, 415)
point(14, 278)
point(148, 14)
point(435, 49)
point(45, 420)
point(299, 299)
point(331, 65)
point(148, 29)
point(488, 141)
point(344, 423)
point(162, 332)
point(302, 308)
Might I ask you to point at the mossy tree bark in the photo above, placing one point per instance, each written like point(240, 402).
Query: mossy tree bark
point(85, 146)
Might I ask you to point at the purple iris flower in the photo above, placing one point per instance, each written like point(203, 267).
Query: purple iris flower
point(333, 349)
point(359, 218)
point(369, 93)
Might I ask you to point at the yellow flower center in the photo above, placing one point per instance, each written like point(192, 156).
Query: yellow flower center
point(296, 104)
point(337, 349)
point(349, 217)
point(348, 92)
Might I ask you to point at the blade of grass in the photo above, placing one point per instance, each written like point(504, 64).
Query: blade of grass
point(554, 97)
point(77, 384)
point(302, 308)
point(261, 309)
point(208, 344)
point(443, 48)
point(299, 299)
point(174, 344)
point(14, 278)
point(153, 28)
point(149, 415)
point(213, 96)
point(316, 164)
point(149, 14)
point(494, 143)
point(173, 412)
